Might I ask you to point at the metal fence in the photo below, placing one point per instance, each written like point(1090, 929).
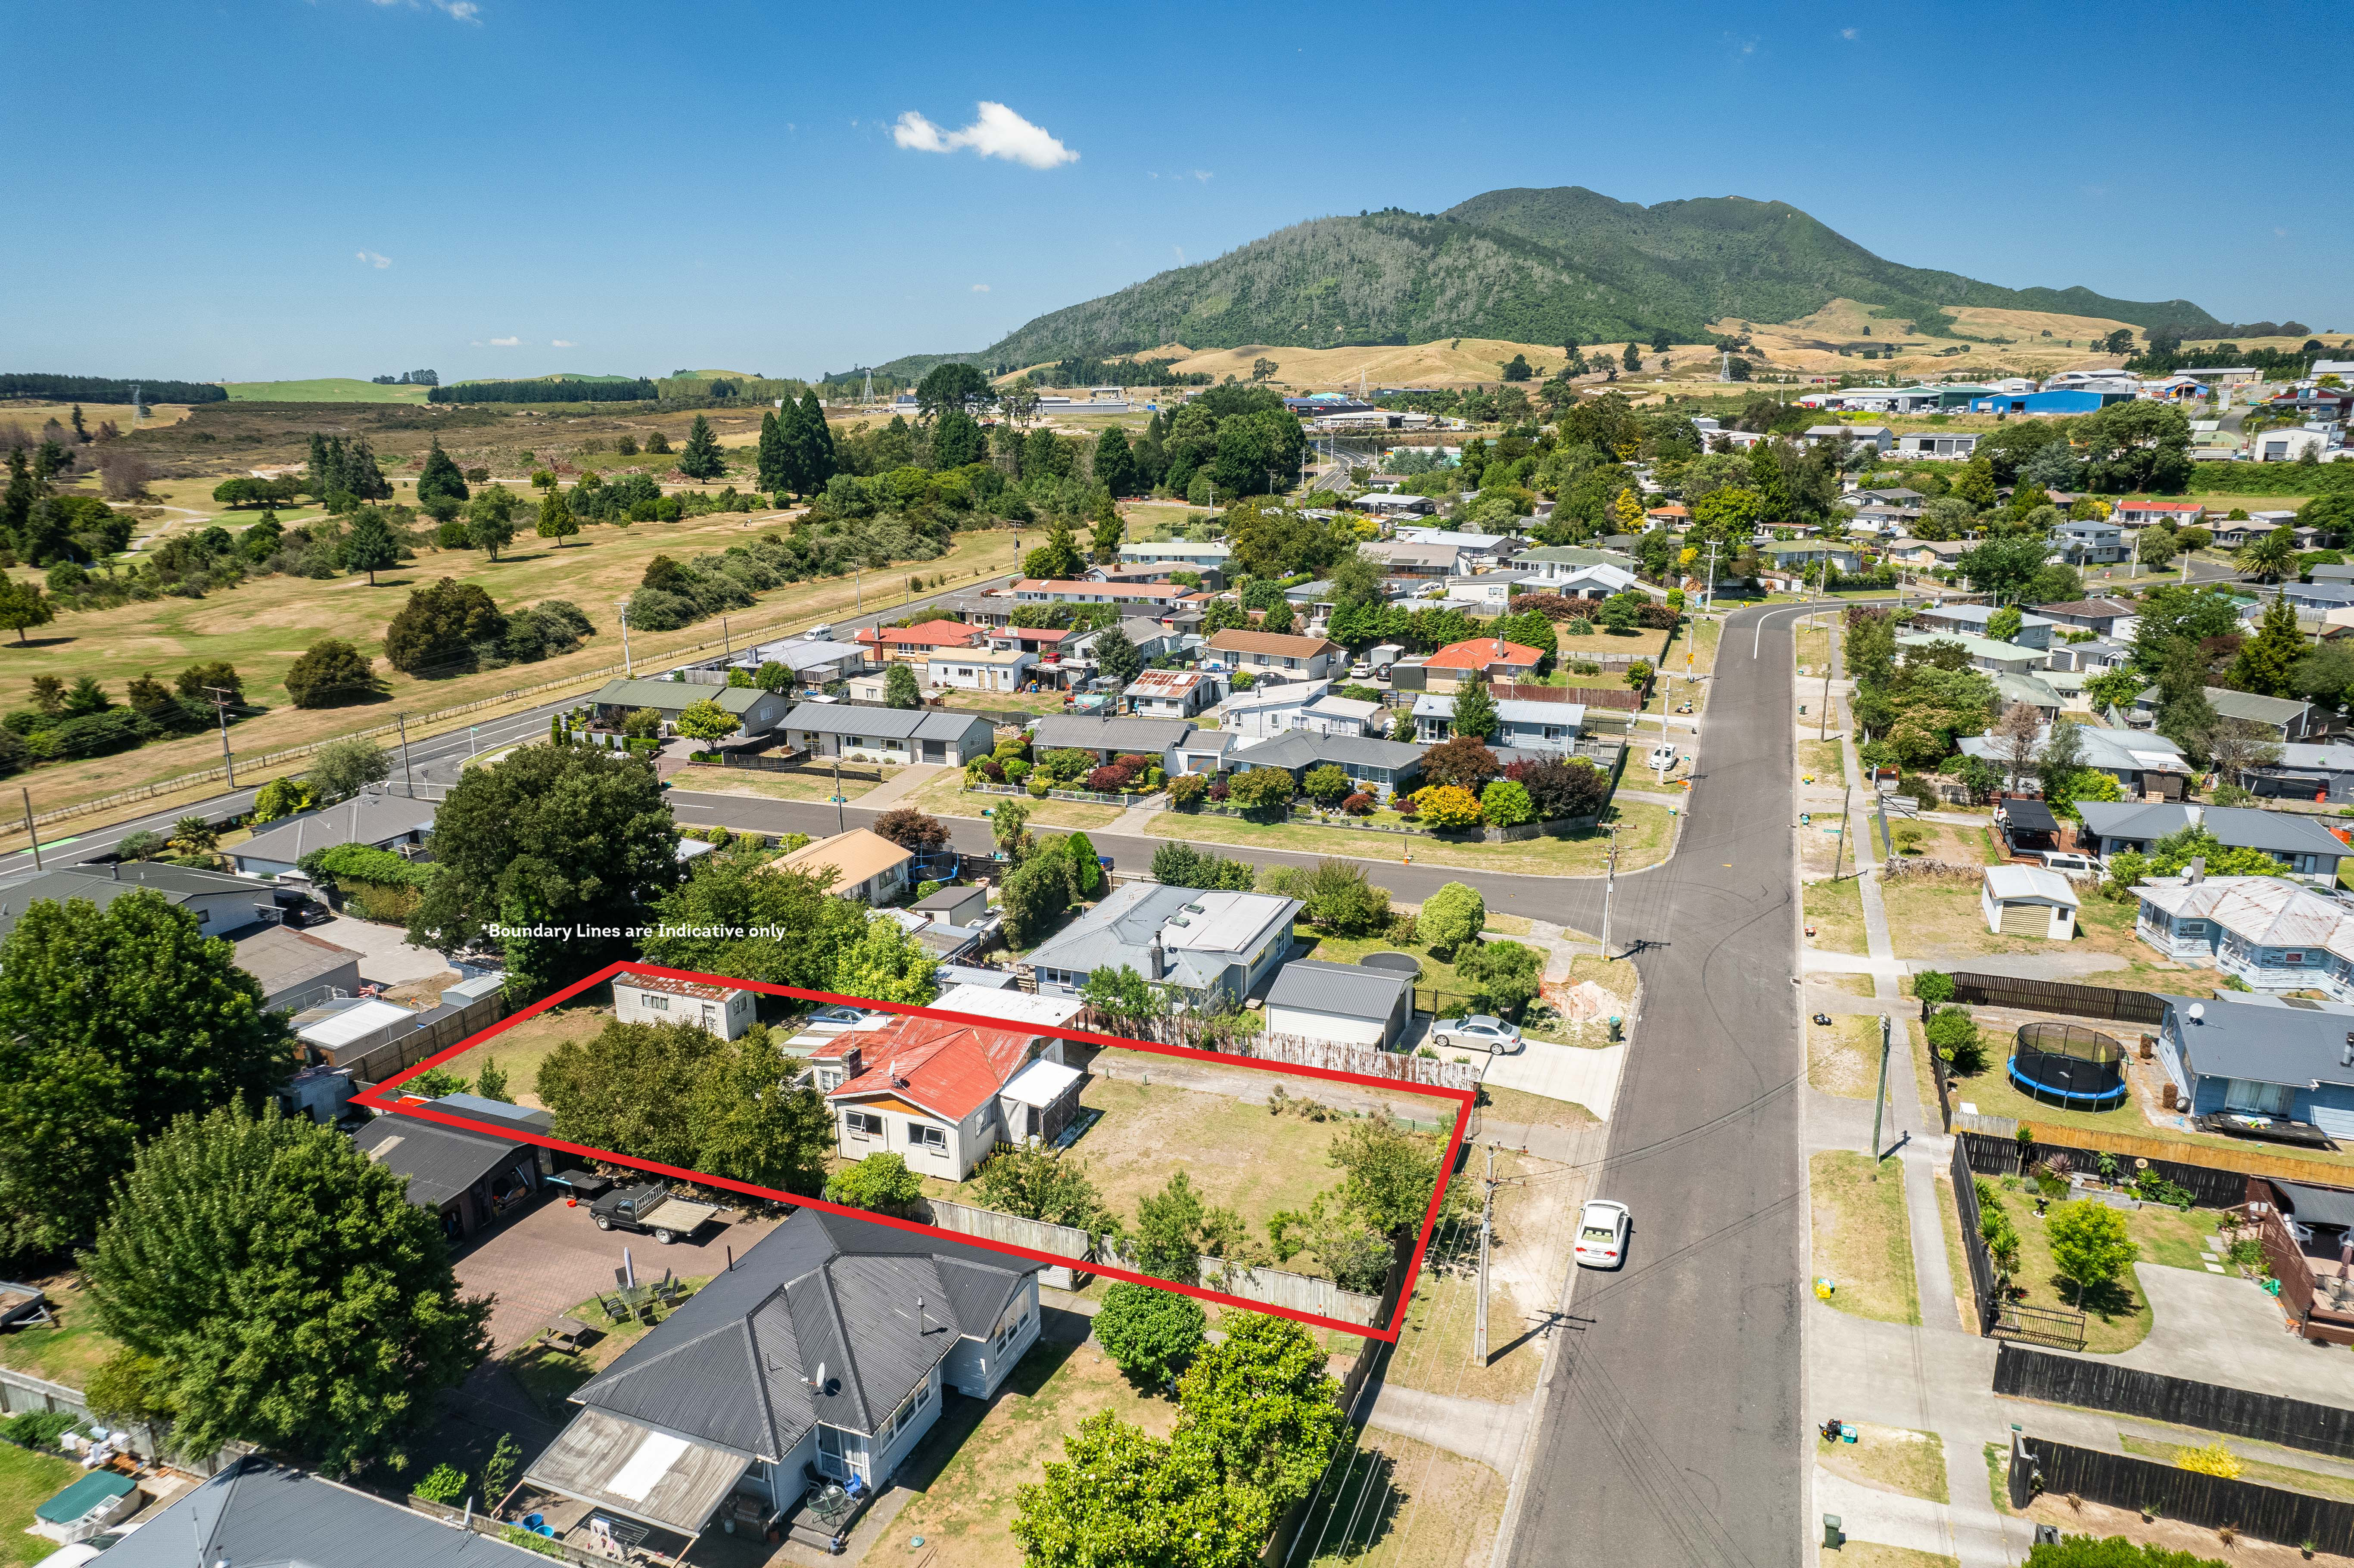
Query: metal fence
point(2189, 1497)
point(2054, 996)
point(2098, 1383)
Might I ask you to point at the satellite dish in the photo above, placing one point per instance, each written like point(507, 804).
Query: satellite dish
point(2198, 1012)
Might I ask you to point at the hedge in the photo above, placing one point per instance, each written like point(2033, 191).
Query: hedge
point(358, 863)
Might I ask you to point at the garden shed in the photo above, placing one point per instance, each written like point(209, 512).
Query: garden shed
point(2028, 901)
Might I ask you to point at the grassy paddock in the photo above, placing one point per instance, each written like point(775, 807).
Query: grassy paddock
point(1645, 834)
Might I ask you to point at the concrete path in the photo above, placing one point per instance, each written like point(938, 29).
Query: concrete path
point(910, 779)
point(1890, 1518)
point(1137, 818)
point(1474, 1428)
point(1589, 1077)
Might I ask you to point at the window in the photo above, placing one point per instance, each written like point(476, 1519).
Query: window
point(654, 1003)
point(2192, 928)
point(2248, 1094)
point(920, 1136)
point(828, 1080)
point(861, 1123)
point(2292, 958)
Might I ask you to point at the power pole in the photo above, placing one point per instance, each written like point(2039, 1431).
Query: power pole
point(1708, 593)
point(840, 826)
point(1837, 856)
point(1879, 1097)
point(221, 711)
point(31, 830)
point(407, 782)
point(628, 665)
point(1479, 1305)
point(1610, 886)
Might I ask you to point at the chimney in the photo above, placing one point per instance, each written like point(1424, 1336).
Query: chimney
point(851, 1064)
point(2195, 872)
point(1156, 963)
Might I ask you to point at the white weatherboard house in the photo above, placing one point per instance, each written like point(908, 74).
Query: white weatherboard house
point(2028, 901)
point(723, 1010)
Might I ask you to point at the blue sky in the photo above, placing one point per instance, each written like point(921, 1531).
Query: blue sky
point(322, 188)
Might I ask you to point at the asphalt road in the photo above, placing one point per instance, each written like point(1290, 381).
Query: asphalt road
point(437, 761)
point(1672, 1429)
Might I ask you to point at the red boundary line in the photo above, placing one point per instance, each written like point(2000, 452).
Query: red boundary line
point(380, 1099)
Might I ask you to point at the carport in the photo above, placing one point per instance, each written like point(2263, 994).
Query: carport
point(609, 1466)
point(2028, 826)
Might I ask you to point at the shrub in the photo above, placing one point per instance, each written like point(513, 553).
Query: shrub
point(444, 1485)
point(36, 1429)
point(1012, 771)
point(1933, 986)
point(1263, 791)
point(2215, 1459)
point(1448, 807)
point(362, 863)
point(1186, 790)
point(1504, 975)
point(1453, 915)
point(1506, 804)
point(332, 672)
point(1150, 1334)
point(880, 1182)
point(1357, 805)
point(1954, 1036)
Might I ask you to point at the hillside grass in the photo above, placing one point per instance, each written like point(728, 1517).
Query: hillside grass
point(323, 389)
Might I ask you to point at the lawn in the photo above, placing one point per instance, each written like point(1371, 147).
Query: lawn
point(1890, 1458)
point(1403, 1503)
point(68, 1354)
point(1005, 702)
point(1645, 834)
point(550, 1375)
point(967, 1508)
point(811, 785)
point(1835, 910)
point(1820, 760)
point(1861, 1241)
point(2116, 1317)
point(1527, 1257)
point(1843, 1056)
point(1941, 918)
point(521, 1050)
point(262, 627)
point(26, 1482)
point(1646, 643)
point(1957, 1266)
point(1501, 1109)
point(945, 796)
point(1439, 990)
point(1872, 1555)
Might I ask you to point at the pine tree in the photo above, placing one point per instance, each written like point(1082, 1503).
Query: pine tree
point(792, 449)
point(362, 474)
point(1475, 711)
point(23, 492)
point(1115, 463)
point(80, 434)
point(701, 459)
point(1057, 560)
point(1766, 478)
point(772, 474)
point(440, 479)
point(369, 546)
point(820, 462)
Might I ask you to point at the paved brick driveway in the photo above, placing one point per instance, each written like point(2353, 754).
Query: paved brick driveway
point(551, 1258)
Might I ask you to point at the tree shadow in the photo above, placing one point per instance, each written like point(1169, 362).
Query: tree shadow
point(1347, 1523)
point(2108, 1300)
point(30, 643)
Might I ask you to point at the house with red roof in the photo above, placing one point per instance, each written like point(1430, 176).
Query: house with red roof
point(943, 1095)
point(916, 644)
point(1479, 659)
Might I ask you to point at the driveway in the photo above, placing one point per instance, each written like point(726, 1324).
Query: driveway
point(2221, 1329)
point(553, 1257)
point(386, 956)
point(1575, 1073)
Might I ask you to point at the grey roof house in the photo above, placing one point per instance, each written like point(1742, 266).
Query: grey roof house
point(889, 735)
point(825, 1350)
point(1111, 738)
point(256, 1514)
point(297, 969)
point(2286, 718)
point(220, 902)
point(378, 821)
point(2034, 630)
point(1378, 767)
point(2299, 843)
point(1194, 940)
point(2261, 1057)
point(1340, 1002)
point(1533, 726)
point(2142, 763)
point(2306, 772)
point(756, 712)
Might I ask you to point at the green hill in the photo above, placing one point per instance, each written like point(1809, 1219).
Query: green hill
point(323, 389)
point(1531, 266)
point(553, 376)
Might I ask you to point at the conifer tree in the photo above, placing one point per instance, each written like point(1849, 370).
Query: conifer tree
point(556, 519)
point(1057, 560)
point(1766, 478)
point(1475, 712)
point(792, 449)
point(771, 463)
point(701, 459)
point(440, 479)
point(369, 546)
point(818, 460)
point(1109, 530)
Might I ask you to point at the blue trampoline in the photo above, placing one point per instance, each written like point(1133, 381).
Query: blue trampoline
point(2068, 1065)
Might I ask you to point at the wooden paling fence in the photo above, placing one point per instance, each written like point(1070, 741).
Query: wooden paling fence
point(1297, 1292)
point(2054, 996)
point(405, 1050)
point(2096, 1383)
point(2189, 1497)
point(2215, 1177)
point(1039, 1235)
point(1297, 1051)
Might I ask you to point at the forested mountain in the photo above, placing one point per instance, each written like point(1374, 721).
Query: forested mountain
point(1532, 266)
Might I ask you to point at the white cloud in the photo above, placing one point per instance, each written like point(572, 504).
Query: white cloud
point(996, 132)
point(1202, 175)
point(456, 10)
point(561, 343)
point(1849, 33)
point(370, 259)
point(506, 343)
point(981, 287)
point(1181, 254)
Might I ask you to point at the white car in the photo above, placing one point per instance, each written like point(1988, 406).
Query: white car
point(1662, 758)
point(82, 1551)
point(1602, 1230)
point(1475, 1032)
point(2068, 863)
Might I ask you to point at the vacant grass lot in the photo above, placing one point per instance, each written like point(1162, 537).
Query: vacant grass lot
point(1835, 910)
point(262, 627)
point(1528, 1258)
point(1645, 834)
point(945, 796)
point(1861, 1241)
point(1940, 918)
point(26, 1482)
point(966, 1505)
point(519, 1051)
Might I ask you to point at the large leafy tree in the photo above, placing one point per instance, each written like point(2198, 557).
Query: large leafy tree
point(550, 841)
point(738, 916)
point(111, 1021)
point(284, 1290)
point(1119, 1497)
point(438, 630)
point(2004, 567)
point(1261, 1400)
point(950, 385)
point(1058, 559)
point(885, 963)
